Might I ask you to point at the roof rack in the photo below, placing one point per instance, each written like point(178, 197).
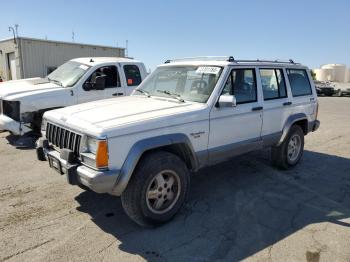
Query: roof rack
point(290, 61)
point(229, 59)
point(202, 58)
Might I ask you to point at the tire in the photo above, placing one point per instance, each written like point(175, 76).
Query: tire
point(148, 199)
point(280, 156)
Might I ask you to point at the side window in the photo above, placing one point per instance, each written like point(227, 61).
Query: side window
point(299, 82)
point(242, 84)
point(132, 75)
point(111, 73)
point(273, 83)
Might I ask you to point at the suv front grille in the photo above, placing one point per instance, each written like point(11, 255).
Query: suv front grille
point(63, 138)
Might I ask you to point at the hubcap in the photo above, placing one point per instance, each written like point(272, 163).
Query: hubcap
point(294, 147)
point(163, 191)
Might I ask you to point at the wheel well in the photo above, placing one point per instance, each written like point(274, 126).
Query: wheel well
point(180, 150)
point(303, 124)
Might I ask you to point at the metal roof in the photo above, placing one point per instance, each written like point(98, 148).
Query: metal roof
point(59, 42)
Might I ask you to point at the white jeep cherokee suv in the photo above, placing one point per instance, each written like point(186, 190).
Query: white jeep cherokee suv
point(23, 102)
point(186, 115)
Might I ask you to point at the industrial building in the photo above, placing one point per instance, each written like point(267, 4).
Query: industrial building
point(334, 73)
point(23, 57)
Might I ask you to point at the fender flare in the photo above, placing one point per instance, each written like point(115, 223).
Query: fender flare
point(288, 124)
point(144, 145)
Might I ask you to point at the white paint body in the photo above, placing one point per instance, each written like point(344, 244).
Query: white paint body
point(36, 94)
point(130, 119)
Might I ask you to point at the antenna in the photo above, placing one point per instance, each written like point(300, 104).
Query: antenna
point(11, 29)
point(73, 36)
point(126, 48)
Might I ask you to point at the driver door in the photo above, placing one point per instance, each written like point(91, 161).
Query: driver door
point(88, 95)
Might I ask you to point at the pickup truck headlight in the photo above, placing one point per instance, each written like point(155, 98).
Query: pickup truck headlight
point(96, 153)
point(11, 109)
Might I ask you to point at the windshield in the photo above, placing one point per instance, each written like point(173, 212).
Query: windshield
point(68, 74)
point(189, 83)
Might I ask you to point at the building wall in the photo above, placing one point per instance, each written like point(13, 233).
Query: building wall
point(39, 56)
point(7, 47)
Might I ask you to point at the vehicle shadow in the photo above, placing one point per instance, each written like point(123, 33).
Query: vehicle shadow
point(22, 142)
point(235, 209)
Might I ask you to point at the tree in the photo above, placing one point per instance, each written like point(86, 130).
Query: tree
point(313, 74)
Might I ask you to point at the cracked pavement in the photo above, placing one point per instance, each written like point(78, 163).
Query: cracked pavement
point(243, 209)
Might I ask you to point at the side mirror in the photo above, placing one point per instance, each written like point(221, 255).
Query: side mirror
point(226, 101)
point(100, 82)
point(87, 86)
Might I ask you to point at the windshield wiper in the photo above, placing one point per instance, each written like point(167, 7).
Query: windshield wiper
point(173, 95)
point(55, 81)
point(143, 92)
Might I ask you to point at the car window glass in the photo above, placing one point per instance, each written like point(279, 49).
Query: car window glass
point(242, 84)
point(111, 73)
point(133, 75)
point(299, 82)
point(273, 84)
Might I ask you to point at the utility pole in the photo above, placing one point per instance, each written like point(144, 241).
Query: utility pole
point(126, 49)
point(11, 29)
point(16, 28)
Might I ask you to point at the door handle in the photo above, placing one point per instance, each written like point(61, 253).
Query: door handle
point(258, 108)
point(287, 103)
point(117, 94)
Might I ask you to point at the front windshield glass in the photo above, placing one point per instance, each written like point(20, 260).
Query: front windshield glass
point(68, 74)
point(189, 83)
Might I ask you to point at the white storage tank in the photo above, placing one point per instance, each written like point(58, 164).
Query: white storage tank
point(324, 74)
point(348, 76)
point(339, 71)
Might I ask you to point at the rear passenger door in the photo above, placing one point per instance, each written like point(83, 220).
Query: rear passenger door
point(277, 104)
point(304, 101)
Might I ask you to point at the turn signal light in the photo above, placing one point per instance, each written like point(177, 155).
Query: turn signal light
point(102, 154)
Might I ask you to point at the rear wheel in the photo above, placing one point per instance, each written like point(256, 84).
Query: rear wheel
point(288, 154)
point(157, 189)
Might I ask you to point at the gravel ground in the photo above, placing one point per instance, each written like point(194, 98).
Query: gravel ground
point(240, 210)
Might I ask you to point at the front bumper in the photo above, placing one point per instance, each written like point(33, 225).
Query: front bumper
point(8, 124)
point(76, 173)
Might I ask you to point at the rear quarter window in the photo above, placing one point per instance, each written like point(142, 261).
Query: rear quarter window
point(133, 75)
point(299, 82)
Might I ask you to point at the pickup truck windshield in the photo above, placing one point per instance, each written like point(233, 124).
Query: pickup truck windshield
point(68, 74)
point(189, 83)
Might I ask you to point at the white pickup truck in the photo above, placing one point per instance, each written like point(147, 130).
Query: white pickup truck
point(186, 115)
point(23, 102)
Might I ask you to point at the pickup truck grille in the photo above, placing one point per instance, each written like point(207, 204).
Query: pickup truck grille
point(63, 138)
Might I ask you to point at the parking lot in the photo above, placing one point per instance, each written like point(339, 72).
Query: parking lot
point(242, 209)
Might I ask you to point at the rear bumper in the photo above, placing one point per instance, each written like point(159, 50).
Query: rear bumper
point(314, 125)
point(8, 124)
point(76, 173)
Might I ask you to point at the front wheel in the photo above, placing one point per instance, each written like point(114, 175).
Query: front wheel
point(289, 153)
point(157, 189)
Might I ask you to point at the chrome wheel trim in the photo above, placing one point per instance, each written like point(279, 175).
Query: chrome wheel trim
point(163, 192)
point(294, 148)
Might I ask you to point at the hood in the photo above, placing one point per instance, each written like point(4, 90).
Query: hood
point(13, 90)
point(125, 114)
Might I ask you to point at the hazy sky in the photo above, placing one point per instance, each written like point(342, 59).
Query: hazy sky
point(312, 32)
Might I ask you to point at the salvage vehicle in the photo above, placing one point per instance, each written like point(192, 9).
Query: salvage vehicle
point(23, 102)
point(325, 88)
point(188, 114)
